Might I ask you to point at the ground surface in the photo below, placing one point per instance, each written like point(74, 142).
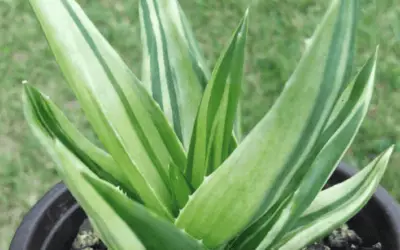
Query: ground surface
point(277, 32)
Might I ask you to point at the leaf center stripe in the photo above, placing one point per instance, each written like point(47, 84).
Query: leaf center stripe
point(171, 79)
point(153, 51)
point(328, 79)
point(133, 119)
point(201, 75)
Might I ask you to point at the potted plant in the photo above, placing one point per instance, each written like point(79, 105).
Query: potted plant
point(174, 173)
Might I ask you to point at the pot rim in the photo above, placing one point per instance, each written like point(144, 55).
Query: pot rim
point(54, 208)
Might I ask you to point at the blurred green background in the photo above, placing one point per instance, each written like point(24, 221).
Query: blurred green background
point(278, 29)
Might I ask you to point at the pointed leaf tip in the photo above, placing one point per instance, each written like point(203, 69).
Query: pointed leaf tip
point(212, 133)
point(377, 51)
point(389, 151)
point(246, 13)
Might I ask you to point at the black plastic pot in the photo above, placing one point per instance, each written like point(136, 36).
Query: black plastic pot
point(53, 223)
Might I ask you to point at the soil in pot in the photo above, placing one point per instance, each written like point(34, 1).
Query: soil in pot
point(87, 239)
point(342, 238)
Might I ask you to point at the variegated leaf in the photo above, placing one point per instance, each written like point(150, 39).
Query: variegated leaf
point(121, 222)
point(113, 229)
point(154, 232)
point(336, 205)
point(57, 125)
point(212, 133)
point(314, 173)
point(174, 71)
point(255, 174)
point(103, 86)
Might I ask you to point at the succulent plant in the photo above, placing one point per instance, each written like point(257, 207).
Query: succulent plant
point(172, 172)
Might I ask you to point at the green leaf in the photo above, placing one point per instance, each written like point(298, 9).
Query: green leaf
point(254, 176)
point(337, 138)
point(238, 130)
point(252, 236)
point(121, 222)
point(336, 205)
point(180, 187)
point(137, 222)
point(166, 132)
point(113, 230)
point(343, 99)
point(58, 126)
point(174, 71)
point(103, 85)
point(355, 94)
point(154, 232)
point(110, 220)
point(212, 133)
point(312, 176)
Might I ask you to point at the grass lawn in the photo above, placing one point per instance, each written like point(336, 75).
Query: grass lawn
point(278, 29)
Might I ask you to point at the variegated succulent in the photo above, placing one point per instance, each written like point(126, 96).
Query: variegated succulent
point(173, 173)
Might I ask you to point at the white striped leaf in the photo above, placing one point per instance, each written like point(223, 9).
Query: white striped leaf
point(212, 133)
point(113, 229)
point(166, 132)
point(355, 94)
point(337, 138)
point(336, 205)
point(121, 222)
point(103, 85)
point(154, 232)
point(174, 71)
point(252, 236)
point(108, 220)
point(340, 103)
point(178, 23)
point(314, 173)
point(57, 125)
point(346, 26)
point(255, 174)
